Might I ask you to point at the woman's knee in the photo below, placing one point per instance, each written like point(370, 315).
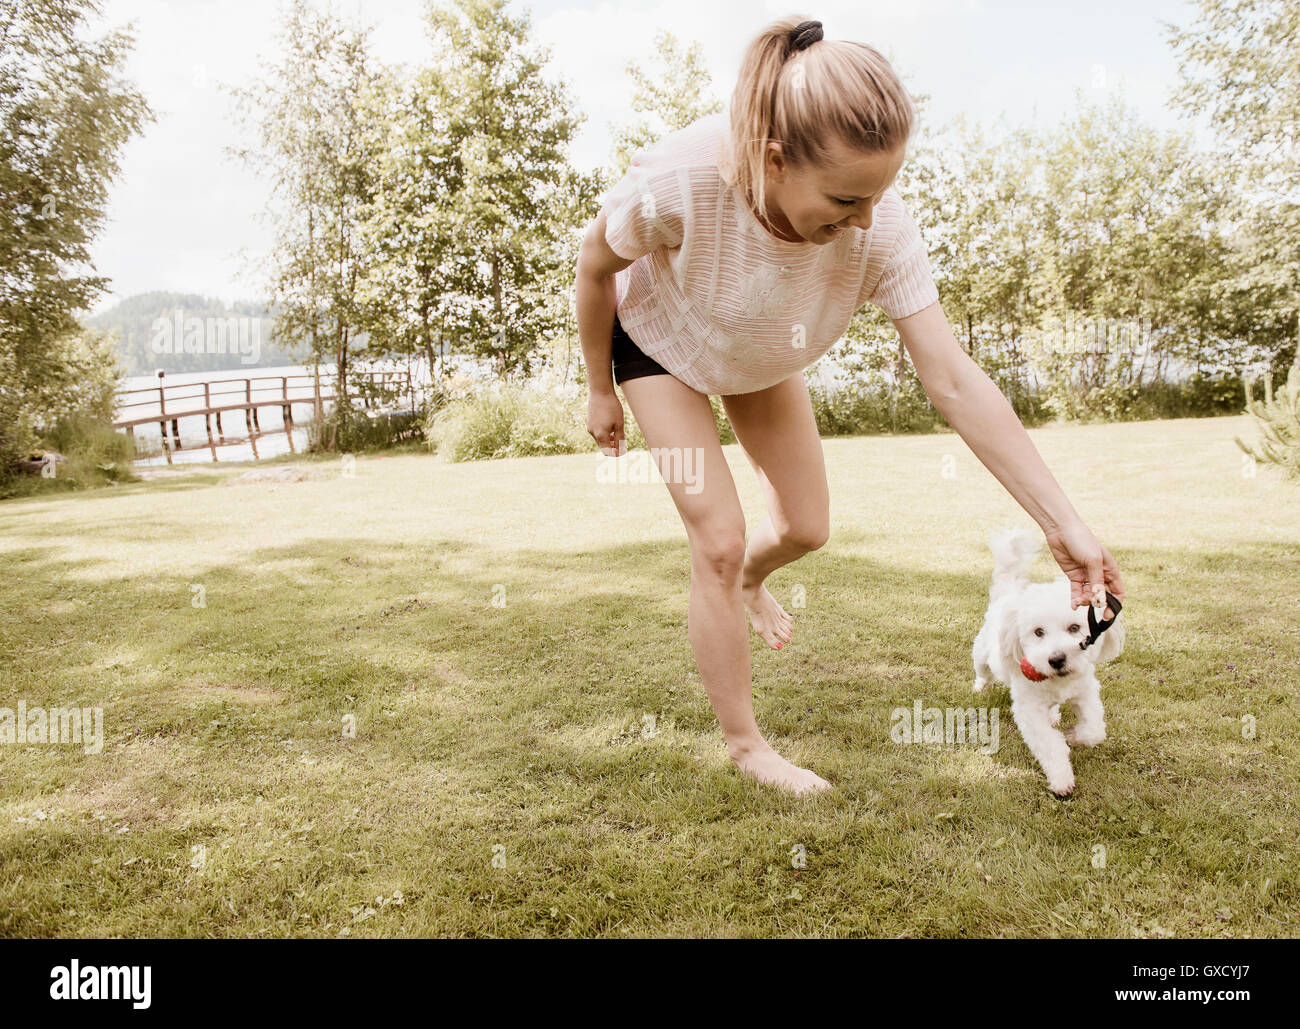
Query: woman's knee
point(719, 551)
point(805, 536)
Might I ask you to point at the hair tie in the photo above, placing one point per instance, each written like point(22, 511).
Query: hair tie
point(805, 34)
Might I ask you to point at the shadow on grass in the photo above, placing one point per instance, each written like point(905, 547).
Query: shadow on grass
point(595, 635)
point(505, 692)
point(177, 478)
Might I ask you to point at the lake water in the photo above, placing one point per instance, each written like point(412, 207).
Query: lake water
point(226, 387)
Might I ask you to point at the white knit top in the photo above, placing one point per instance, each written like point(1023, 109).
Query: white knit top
point(718, 300)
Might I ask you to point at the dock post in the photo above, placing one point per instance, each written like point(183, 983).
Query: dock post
point(207, 418)
point(286, 413)
point(248, 411)
point(162, 412)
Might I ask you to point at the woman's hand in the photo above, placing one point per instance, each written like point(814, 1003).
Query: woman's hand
point(605, 423)
point(1087, 564)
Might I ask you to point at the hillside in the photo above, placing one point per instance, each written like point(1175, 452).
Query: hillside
point(186, 332)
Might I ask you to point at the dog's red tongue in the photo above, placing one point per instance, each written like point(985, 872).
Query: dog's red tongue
point(1030, 672)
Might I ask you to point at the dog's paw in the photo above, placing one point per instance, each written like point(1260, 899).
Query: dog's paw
point(1076, 738)
point(979, 685)
point(1062, 784)
point(1056, 715)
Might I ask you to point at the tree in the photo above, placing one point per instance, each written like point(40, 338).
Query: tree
point(978, 202)
point(1240, 64)
point(680, 92)
point(1101, 220)
point(1278, 421)
point(508, 222)
point(1134, 223)
point(412, 285)
point(66, 113)
point(312, 143)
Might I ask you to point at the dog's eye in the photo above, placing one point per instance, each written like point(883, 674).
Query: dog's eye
point(1075, 627)
point(1039, 633)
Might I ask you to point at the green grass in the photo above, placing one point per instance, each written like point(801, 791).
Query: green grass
point(520, 726)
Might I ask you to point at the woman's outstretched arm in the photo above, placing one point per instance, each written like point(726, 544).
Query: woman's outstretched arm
point(974, 406)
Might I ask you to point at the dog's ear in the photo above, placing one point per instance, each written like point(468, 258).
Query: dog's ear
point(1009, 633)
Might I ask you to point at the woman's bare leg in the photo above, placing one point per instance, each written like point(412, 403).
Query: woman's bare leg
point(777, 430)
point(674, 419)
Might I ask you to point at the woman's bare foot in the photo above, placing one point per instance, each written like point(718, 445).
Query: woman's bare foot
point(769, 618)
point(768, 767)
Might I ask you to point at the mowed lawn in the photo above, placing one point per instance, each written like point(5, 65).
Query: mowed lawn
point(433, 699)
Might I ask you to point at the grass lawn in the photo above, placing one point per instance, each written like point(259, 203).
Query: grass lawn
point(508, 639)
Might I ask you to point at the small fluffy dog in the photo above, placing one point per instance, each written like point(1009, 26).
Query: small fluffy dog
point(1031, 640)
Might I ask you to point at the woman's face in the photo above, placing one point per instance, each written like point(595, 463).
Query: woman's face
point(817, 203)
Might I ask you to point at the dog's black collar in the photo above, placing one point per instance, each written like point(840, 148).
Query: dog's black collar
point(1095, 628)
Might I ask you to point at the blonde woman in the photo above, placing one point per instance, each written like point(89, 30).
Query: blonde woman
point(728, 259)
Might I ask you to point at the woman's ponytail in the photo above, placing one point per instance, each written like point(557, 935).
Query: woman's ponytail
point(805, 91)
point(753, 107)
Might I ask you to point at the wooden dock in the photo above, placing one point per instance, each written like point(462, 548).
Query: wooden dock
point(235, 396)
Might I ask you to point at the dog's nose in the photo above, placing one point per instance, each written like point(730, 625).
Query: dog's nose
point(1057, 661)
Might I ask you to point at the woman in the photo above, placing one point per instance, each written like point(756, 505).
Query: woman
point(728, 259)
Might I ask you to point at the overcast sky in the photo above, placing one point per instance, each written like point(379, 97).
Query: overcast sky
point(183, 216)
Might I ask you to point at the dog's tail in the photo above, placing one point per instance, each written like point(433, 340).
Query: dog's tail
point(1014, 551)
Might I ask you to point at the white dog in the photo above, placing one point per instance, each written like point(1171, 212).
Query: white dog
point(1033, 641)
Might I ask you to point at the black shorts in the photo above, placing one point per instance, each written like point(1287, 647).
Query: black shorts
point(629, 361)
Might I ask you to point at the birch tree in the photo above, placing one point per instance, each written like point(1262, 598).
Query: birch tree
point(311, 143)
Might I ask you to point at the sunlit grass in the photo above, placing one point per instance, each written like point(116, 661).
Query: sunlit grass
point(563, 730)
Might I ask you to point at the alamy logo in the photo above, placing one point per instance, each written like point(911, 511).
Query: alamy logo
point(84, 725)
point(658, 464)
point(111, 982)
point(181, 335)
point(936, 725)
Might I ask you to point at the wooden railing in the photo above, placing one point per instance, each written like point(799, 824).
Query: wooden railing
point(375, 386)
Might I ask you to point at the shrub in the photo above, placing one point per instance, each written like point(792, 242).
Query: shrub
point(726, 434)
point(1205, 395)
point(507, 421)
point(1202, 395)
point(515, 421)
point(96, 456)
point(77, 375)
point(64, 404)
point(17, 436)
point(354, 429)
point(852, 410)
point(91, 437)
point(1278, 420)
